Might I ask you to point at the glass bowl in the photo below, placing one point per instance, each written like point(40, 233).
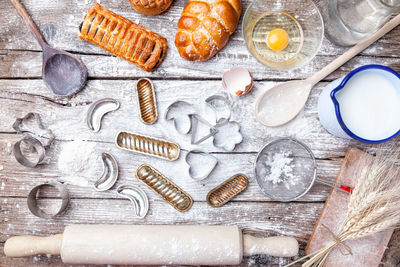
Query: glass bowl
point(285, 169)
point(301, 20)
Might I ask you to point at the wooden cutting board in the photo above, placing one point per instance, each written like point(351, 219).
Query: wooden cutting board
point(367, 251)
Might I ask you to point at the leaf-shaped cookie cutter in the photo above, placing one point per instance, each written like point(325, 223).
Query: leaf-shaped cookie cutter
point(110, 173)
point(138, 198)
point(97, 110)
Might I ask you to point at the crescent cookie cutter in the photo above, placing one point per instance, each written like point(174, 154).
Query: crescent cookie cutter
point(138, 198)
point(31, 141)
point(97, 110)
point(110, 173)
point(33, 203)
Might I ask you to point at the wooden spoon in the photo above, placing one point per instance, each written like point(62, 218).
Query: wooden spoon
point(62, 72)
point(282, 103)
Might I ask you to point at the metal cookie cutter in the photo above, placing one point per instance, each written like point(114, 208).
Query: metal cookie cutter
point(166, 189)
point(146, 97)
point(180, 112)
point(195, 120)
point(201, 164)
point(110, 173)
point(221, 106)
point(32, 143)
point(227, 190)
point(97, 110)
point(148, 145)
point(138, 198)
point(228, 135)
point(33, 205)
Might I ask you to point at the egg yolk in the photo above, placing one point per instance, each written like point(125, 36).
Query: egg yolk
point(277, 39)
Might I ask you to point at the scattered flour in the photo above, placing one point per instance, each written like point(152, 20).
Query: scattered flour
point(281, 168)
point(282, 171)
point(77, 163)
point(3, 185)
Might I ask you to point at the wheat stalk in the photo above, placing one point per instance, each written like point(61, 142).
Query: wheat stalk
point(374, 204)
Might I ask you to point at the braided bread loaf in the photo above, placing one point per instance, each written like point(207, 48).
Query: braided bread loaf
point(205, 26)
point(150, 7)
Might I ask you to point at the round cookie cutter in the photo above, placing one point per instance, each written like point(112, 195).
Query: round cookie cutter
point(33, 145)
point(31, 140)
point(33, 204)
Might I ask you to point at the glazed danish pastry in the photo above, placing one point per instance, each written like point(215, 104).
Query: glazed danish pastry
point(123, 38)
point(150, 7)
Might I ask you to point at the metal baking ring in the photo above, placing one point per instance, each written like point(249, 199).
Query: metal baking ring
point(32, 200)
point(32, 143)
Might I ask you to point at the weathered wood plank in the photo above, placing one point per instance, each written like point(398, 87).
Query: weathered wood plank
point(261, 219)
point(28, 64)
point(17, 180)
point(66, 117)
point(59, 23)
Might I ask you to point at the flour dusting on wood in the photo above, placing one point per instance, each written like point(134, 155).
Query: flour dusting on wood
point(77, 163)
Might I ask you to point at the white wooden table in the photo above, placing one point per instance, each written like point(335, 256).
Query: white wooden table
point(22, 91)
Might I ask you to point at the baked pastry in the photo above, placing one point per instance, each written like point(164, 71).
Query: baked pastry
point(150, 7)
point(205, 26)
point(123, 38)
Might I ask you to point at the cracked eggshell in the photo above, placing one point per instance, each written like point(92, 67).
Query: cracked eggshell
point(237, 81)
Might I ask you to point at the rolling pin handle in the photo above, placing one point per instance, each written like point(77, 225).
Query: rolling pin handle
point(23, 246)
point(278, 246)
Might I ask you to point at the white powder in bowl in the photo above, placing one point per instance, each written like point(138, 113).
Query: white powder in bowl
point(281, 169)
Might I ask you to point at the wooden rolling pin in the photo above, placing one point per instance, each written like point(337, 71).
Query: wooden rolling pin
point(151, 245)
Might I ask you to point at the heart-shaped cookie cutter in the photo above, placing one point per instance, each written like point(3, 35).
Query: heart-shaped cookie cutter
point(190, 156)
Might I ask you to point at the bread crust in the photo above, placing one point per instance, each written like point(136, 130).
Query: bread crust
point(150, 7)
point(123, 38)
point(205, 27)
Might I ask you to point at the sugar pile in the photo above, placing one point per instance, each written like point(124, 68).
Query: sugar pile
point(77, 163)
